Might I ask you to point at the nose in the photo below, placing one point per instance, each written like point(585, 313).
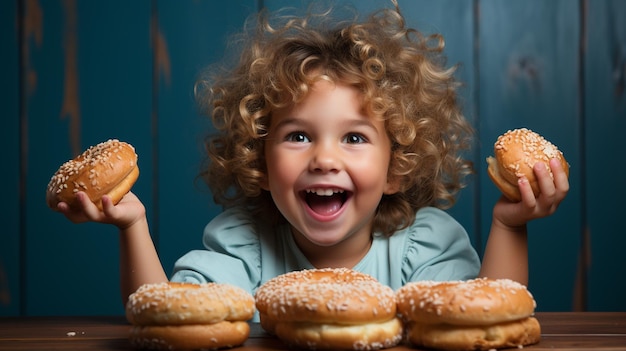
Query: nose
point(325, 158)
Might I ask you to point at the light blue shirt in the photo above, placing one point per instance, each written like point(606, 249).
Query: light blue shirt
point(244, 253)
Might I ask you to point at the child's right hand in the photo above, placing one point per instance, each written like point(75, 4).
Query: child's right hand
point(123, 215)
point(552, 192)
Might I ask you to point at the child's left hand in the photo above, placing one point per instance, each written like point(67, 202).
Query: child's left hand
point(551, 193)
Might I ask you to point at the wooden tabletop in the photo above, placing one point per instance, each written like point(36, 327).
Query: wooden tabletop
point(560, 331)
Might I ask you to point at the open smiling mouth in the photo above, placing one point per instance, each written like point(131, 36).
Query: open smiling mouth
point(325, 201)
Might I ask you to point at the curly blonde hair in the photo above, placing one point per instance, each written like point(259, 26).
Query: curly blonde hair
point(402, 76)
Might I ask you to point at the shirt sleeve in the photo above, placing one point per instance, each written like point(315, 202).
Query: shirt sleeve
point(438, 248)
point(232, 254)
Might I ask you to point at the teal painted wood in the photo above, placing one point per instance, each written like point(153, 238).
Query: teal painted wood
point(605, 152)
point(529, 76)
point(9, 134)
point(193, 35)
point(69, 266)
point(528, 62)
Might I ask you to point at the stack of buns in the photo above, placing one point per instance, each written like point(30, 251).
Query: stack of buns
point(185, 316)
point(329, 309)
point(478, 314)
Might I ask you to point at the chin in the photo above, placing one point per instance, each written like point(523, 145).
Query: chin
point(324, 241)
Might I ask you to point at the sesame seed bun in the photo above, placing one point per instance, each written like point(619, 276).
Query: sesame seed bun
point(186, 316)
point(477, 314)
point(515, 154)
point(108, 168)
point(329, 309)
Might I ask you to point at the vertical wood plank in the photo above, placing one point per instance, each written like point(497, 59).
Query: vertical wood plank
point(605, 122)
point(93, 82)
point(192, 35)
point(528, 61)
point(9, 177)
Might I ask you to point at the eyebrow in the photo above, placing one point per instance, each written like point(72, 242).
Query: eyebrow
point(288, 121)
point(352, 122)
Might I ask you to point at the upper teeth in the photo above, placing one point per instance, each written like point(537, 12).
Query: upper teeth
point(325, 191)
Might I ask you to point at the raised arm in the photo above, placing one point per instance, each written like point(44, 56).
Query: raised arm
point(506, 253)
point(139, 261)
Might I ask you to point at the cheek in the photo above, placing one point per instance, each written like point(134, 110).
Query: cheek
point(278, 173)
point(370, 177)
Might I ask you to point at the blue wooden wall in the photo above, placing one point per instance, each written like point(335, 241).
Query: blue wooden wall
point(74, 73)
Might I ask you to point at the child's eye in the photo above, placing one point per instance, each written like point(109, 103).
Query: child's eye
point(297, 137)
point(354, 138)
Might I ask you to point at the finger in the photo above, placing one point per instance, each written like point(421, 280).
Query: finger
point(526, 192)
point(546, 183)
point(73, 214)
point(561, 180)
point(90, 210)
point(107, 206)
point(63, 207)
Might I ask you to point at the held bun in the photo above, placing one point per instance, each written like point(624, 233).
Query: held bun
point(515, 155)
point(478, 314)
point(329, 309)
point(184, 316)
point(109, 168)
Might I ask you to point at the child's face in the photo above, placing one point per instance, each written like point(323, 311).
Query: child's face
point(327, 164)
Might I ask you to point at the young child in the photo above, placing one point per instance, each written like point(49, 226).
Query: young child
point(338, 145)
